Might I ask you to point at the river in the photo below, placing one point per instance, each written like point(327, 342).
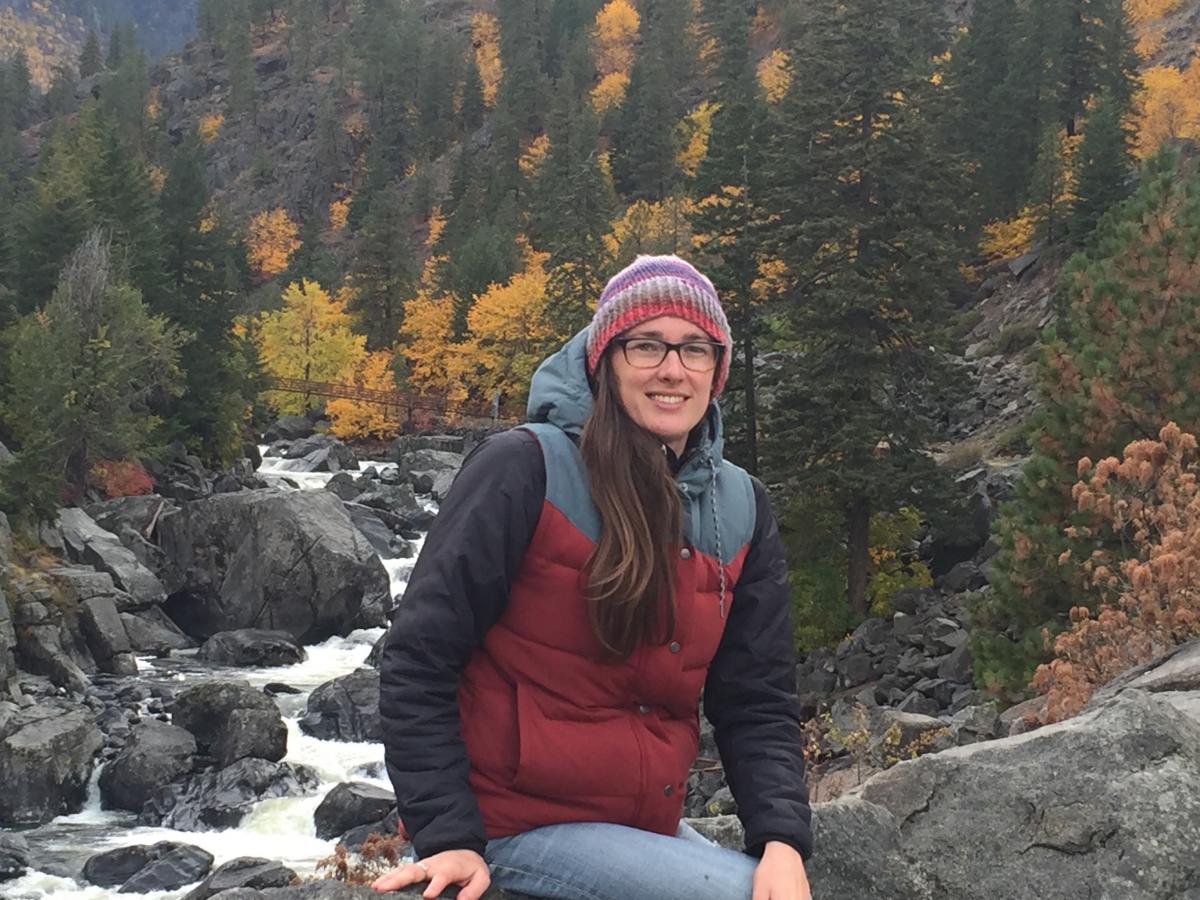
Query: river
point(281, 828)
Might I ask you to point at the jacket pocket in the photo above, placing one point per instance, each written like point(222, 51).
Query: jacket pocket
point(569, 752)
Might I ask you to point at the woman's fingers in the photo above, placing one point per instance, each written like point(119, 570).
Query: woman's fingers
point(437, 884)
point(475, 887)
point(401, 876)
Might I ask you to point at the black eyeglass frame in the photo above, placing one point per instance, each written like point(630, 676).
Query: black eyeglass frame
point(668, 346)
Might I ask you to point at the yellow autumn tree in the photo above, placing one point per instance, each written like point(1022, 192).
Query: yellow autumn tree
point(485, 38)
point(436, 364)
point(1170, 106)
point(652, 228)
point(360, 418)
point(614, 36)
point(509, 331)
point(691, 136)
point(273, 238)
point(309, 338)
point(1146, 16)
point(775, 75)
point(609, 91)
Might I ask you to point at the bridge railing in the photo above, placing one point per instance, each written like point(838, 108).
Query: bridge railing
point(413, 407)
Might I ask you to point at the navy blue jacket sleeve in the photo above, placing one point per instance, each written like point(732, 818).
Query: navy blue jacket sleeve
point(458, 590)
point(750, 697)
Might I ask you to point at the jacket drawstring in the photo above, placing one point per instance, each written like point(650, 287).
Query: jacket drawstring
point(717, 531)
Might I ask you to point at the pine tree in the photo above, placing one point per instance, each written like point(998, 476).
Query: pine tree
point(18, 86)
point(575, 204)
point(242, 89)
point(862, 212)
point(728, 185)
point(383, 272)
point(90, 60)
point(644, 159)
point(116, 48)
point(1103, 164)
point(207, 270)
point(522, 88)
point(1118, 364)
point(1049, 198)
point(471, 110)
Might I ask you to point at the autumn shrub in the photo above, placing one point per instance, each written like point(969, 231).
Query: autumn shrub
point(1148, 595)
point(120, 478)
point(379, 853)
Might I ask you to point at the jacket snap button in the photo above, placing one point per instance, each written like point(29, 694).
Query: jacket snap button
point(685, 553)
point(673, 646)
point(668, 790)
point(643, 708)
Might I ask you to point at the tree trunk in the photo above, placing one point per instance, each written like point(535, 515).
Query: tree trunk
point(751, 400)
point(858, 550)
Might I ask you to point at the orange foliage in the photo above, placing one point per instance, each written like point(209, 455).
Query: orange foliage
point(535, 154)
point(613, 37)
point(435, 363)
point(120, 478)
point(1013, 237)
point(273, 239)
point(774, 75)
point(485, 38)
point(1170, 106)
point(359, 419)
point(210, 126)
point(1146, 17)
point(339, 211)
point(1150, 597)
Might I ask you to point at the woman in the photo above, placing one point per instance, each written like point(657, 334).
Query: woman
point(589, 575)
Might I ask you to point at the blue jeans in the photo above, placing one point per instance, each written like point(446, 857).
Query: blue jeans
point(598, 861)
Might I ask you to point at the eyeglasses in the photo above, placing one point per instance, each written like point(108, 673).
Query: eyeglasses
point(649, 353)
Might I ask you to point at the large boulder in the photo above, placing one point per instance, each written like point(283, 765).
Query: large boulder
point(221, 798)
point(140, 868)
point(134, 520)
point(320, 453)
point(400, 505)
point(153, 631)
point(14, 856)
point(251, 647)
point(47, 642)
point(231, 720)
point(349, 804)
point(46, 759)
point(106, 637)
point(8, 643)
point(156, 754)
point(289, 428)
point(289, 561)
point(345, 709)
point(1103, 805)
point(86, 542)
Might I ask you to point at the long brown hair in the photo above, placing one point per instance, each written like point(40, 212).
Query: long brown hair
point(630, 574)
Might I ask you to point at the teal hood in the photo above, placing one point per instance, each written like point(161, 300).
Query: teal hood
point(560, 395)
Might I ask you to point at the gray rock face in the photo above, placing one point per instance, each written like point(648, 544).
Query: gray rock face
point(1103, 805)
point(231, 720)
point(321, 453)
point(6, 547)
point(222, 798)
point(45, 645)
point(345, 709)
point(87, 542)
point(266, 559)
point(251, 647)
point(8, 643)
point(152, 631)
point(350, 804)
point(106, 637)
point(46, 758)
point(243, 872)
point(289, 428)
point(155, 755)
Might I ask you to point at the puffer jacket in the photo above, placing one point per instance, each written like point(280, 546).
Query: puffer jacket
point(499, 715)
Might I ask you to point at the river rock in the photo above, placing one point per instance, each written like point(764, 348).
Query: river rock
point(46, 644)
point(156, 754)
point(345, 709)
point(399, 501)
point(165, 866)
point(86, 542)
point(152, 631)
point(14, 856)
point(268, 559)
point(288, 428)
point(243, 872)
point(256, 647)
point(231, 720)
point(222, 798)
point(349, 804)
point(321, 453)
point(375, 530)
point(46, 758)
point(1106, 804)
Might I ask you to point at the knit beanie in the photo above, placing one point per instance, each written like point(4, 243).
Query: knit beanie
point(653, 286)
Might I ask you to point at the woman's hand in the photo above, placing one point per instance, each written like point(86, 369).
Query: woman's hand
point(780, 874)
point(466, 868)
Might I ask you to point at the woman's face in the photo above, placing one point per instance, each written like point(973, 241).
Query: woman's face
point(668, 400)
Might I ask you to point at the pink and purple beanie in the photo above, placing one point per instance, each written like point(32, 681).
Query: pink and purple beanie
point(653, 286)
